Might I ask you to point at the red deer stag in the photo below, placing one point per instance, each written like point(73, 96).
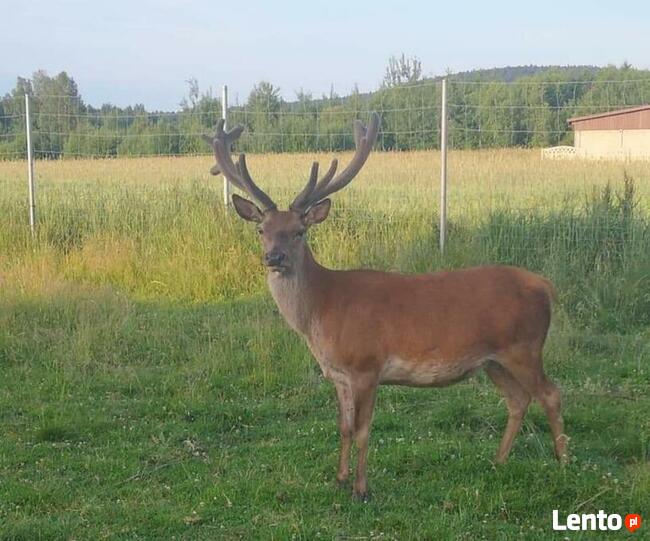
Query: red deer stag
point(366, 328)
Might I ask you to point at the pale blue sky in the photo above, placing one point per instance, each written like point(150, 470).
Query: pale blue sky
point(142, 51)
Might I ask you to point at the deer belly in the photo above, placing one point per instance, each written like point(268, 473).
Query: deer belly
point(427, 372)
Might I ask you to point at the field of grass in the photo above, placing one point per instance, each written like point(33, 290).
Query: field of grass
point(150, 390)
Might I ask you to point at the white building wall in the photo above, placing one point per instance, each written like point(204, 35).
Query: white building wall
point(613, 143)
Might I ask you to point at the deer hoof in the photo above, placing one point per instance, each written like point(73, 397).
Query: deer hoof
point(343, 484)
point(361, 495)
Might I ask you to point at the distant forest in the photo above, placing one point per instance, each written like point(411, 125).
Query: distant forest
point(524, 106)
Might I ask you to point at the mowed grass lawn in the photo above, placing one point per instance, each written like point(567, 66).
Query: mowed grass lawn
point(150, 390)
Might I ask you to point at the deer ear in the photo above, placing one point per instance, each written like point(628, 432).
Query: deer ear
point(247, 209)
point(317, 213)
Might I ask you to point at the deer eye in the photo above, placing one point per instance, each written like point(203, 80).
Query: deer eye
point(299, 234)
point(260, 230)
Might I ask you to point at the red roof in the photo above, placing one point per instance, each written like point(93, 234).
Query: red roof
point(609, 113)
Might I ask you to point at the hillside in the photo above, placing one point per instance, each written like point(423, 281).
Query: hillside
point(509, 74)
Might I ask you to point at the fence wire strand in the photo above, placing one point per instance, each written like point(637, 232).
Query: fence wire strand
point(482, 116)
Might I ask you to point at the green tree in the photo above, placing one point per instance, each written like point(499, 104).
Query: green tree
point(263, 109)
point(401, 70)
point(57, 108)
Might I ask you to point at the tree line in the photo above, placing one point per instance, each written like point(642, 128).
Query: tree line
point(519, 107)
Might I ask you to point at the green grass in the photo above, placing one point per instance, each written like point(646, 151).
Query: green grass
point(150, 390)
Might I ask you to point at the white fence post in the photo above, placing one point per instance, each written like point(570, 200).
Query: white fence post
point(443, 167)
point(224, 116)
point(30, 168)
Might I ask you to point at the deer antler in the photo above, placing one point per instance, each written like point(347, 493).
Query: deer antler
point(314, 191)
point(238, 174)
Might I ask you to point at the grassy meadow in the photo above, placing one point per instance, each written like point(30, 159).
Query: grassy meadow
point(150, 390)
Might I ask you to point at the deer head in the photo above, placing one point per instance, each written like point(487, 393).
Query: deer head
point(283, 231)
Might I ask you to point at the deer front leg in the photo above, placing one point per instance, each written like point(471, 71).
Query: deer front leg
point(364, 403)
point(346, 426)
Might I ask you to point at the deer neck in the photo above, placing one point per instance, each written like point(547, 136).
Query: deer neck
point(295, 292)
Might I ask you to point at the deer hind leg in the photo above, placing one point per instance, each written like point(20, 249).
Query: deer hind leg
point(527, 369)
point(517, 401)
point(346, 428)
point(549, 398)
point(364, 403)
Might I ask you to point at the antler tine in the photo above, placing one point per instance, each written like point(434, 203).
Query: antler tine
point(223, 140)
point(236, 174)
point(218, 169)
point(359, 132)
point(253, 190)
point(364, 138)
point(327, 177)
point(301, 202)
point(215, 169)
point(311, 183)
point(226, 165)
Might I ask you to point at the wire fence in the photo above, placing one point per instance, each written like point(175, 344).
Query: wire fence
point(480, 114)
point(495, 133)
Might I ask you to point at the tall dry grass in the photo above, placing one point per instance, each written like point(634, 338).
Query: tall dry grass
point(156, 228)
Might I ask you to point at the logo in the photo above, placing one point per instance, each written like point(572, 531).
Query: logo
point(633, 522)
point(595, 521)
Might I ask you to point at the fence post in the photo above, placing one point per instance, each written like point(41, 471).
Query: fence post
point(30, 168)
point(224, 116)
point(443, 167)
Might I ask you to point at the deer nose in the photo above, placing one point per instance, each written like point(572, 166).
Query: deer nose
point(274, 259)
